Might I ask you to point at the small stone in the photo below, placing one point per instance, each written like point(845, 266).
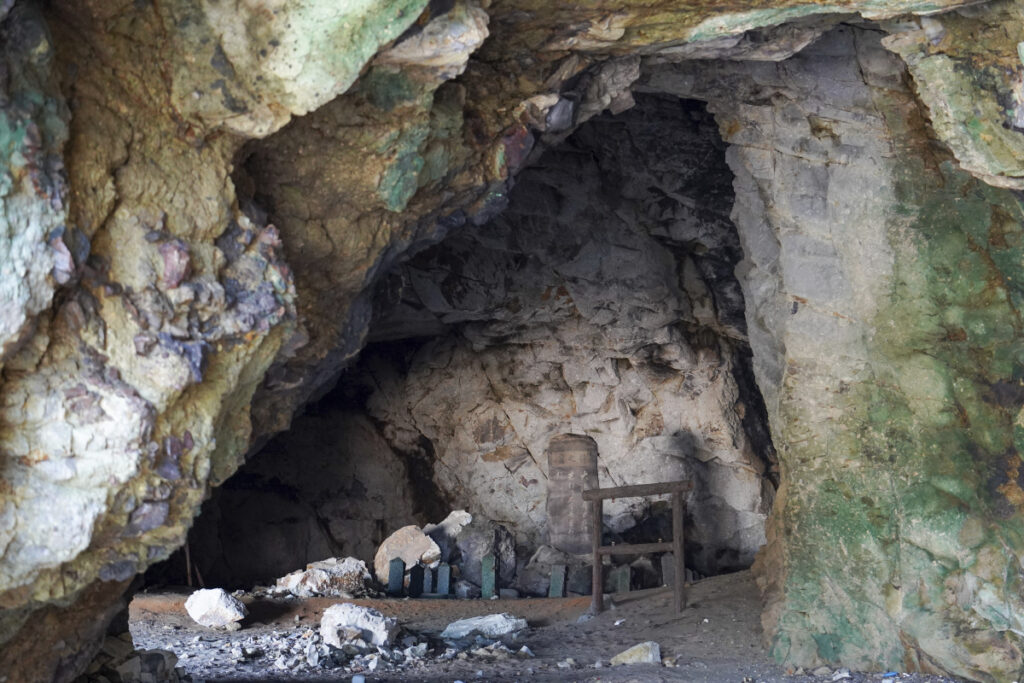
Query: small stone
point(822, 671)
point(525, 653)
point(567, 663)
point(648, 652)
point(491, 626)
point(214, 608)
point(415, 651)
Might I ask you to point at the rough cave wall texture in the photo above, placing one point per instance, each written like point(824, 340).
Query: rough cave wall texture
point(329, 487)
point(602, 301)
point(156, 327)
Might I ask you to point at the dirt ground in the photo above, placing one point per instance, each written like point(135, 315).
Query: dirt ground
point(716, 639)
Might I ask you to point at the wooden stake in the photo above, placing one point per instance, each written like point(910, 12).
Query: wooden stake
point(597, 590)
point(188, 566)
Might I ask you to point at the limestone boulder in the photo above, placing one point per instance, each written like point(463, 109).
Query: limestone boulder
point(411, 545)
point(333, 577)
point(214, 608)
point(347, 621)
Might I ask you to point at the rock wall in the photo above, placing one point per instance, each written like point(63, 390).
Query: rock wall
point(163, 315)
point(882, 307)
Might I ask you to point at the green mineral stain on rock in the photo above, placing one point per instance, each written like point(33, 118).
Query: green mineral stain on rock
point(400, 180)
point(388, 87)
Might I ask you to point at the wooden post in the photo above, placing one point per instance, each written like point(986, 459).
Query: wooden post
point(679, 565)
point(597, 592)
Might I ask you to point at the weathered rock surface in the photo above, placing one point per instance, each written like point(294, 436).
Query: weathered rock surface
point(483, 537)
point(34, 241)
point(345, 577)
point(489, 626)
point(339, 622)
point(214, 608)
point(883, 360)
point(411, 545)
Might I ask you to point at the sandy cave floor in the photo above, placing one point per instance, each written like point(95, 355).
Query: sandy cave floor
point(716, 639)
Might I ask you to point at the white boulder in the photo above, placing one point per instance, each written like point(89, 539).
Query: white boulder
point(214, 608)
point(408, 543)
point(490, 626)
point(332, 577)
point(341, 622)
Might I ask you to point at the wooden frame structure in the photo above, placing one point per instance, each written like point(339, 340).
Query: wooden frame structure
point(596, 498)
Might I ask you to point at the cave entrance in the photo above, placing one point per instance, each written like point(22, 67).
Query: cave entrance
point(602, 301)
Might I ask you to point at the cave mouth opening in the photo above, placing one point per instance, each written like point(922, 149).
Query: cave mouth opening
point(602, 301)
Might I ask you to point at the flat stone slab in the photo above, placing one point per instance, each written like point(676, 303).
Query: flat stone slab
point(648, 652)
point(491, 626)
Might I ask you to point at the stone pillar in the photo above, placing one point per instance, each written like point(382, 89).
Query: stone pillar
point(572, 468)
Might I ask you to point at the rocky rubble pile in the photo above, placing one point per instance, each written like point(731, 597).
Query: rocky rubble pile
point(333, 577)
point(351, 640)
point(119, 662)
